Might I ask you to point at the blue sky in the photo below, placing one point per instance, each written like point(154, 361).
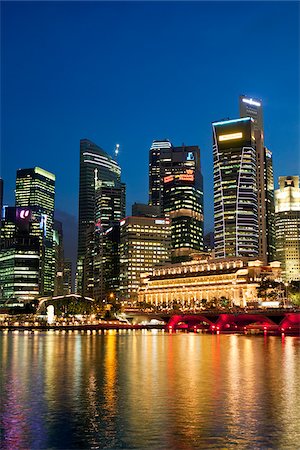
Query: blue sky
point(132, 72)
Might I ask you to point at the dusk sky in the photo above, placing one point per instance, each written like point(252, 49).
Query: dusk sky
point(129, 73)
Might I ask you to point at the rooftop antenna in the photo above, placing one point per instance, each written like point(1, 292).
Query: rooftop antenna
point(117, 151)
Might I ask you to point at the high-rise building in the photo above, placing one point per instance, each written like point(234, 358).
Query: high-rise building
point(287, 220)
point(176, 186)
point(144, 242)
point(156, 171)
point(35, 188)
point(67, 278)
point(58, 245)
point(95, 165)
point(250, 107)
point(20, 276)
point(235, 189)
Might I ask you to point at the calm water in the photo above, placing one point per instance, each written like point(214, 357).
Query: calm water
point(146, 390)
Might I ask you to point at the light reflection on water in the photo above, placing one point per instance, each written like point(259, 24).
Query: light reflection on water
point(149, 390)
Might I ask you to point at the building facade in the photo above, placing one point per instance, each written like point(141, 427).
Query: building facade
point(265, 181)
point(235, 189)
point(35, 188)
point(287, 219)
point(176, 187)
point(144, 242)
point(20, 269)
point(207, 280)
point(95, 166)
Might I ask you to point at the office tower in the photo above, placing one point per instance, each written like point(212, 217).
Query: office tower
point(35, 188)
point(265, 181)
point(58, 245)
point(95, 165)
point(67, 277)
point(19, 257)
point(144, 243)
point(209, 242)
point(155, 171)
point(287, 220)
point(235, 189)
point(176, 186)
point(107, 264)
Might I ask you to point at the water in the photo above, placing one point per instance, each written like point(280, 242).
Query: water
point(149, 390)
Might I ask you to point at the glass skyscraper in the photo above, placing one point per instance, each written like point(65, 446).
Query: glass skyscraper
point(235, 189)
point(176, 186)
point(98, 170)
point(250, 107)
point(35, 188)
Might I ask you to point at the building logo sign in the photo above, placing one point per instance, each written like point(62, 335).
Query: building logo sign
point(190, 156)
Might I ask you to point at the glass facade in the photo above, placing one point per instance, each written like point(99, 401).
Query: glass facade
point(95, 166)
point(235, 189)
point(35, 188)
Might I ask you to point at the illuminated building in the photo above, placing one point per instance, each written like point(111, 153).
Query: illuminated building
point(144, 242)
point(208, 280)
point(176, 187)
point(59, 258)
point(235, 189)
point(287, 219)
point(156, 171)
point(35, 188)
point(19, 256)
point(95, 165)
point(250, 107)
point(67, 277)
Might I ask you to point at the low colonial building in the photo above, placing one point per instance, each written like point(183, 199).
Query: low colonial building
point(207, 279)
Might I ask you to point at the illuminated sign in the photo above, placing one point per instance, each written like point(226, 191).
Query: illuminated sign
point(24, 213)
point(160, 222)
point(190, 156)
point(187, 176)
point(122, 222)
point(250, 101)
point(229, 137)
point(168, 178)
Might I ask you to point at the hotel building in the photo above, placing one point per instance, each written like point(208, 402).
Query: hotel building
point(208, 280)
point(287, 217)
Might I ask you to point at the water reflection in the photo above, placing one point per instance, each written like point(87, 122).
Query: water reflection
point(149, 390)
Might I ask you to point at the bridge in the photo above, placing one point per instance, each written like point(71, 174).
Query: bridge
point(46, 301)
point(275, 322)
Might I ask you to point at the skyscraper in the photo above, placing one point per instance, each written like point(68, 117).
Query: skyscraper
point(287, 219)
point(20, 271)
point(156, 171)
point(95, 166)
point(176, 186)
point(250, 107)
point(235, 188)
point(35, 188)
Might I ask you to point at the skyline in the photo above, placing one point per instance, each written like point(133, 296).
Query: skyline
point(162, 103)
